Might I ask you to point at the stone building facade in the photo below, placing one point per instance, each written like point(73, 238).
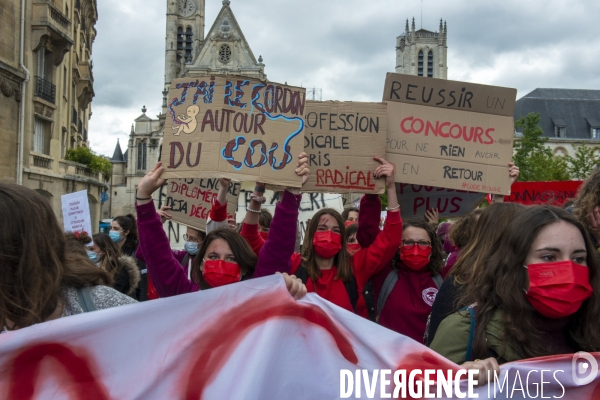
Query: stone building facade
point(188, 52)
point(422, 52)
point(569, 117)
point(46, 82)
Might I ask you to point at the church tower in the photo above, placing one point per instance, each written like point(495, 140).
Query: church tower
point(185, 35)
point(422, 52)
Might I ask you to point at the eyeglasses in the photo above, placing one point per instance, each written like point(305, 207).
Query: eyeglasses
point(423, 244)
point(191, 239)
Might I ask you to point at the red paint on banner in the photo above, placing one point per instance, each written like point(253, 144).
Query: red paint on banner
point(213, 348)
point(78, 375)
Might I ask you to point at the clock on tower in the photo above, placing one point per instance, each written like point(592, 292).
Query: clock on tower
point(186, 7)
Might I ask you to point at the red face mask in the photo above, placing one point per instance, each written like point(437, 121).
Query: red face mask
point(327, 243)
point(557, 289)
point(218, 272)
point(348, 223)
point(415, 258)
point(352, 248)
point(264, 235)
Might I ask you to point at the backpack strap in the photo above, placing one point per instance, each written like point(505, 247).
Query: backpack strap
point(386, 289)
point(85, 299)
point(469, 354)
point(185, 260)
point(438, 280)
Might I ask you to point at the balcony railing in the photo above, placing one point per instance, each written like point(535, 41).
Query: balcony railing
point(85, 172)
point(59, 18)
point(45, 90)
point(41, 161)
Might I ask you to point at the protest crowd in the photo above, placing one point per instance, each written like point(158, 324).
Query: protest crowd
point(498, 283)
point(488, 266)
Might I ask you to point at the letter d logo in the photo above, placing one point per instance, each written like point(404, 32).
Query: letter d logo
point(584, 363)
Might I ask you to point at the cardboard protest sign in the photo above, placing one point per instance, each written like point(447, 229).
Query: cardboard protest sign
point(551, 193)
point(341, 140)
point(76, 212)
point(416, 199)
point(450, 134)
point(237, 128)
point(191, 200)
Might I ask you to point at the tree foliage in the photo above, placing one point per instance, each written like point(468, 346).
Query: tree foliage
point(94, 162)
point(584, 162)
point(536, 161)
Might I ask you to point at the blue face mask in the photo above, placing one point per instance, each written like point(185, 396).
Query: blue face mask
point(115, 236)
point(191, 248)
point(93, 256)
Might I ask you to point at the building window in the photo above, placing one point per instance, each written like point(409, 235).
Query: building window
point(43, 80)
point(141, 156)
point(188, 45)
point(225, 53)
point(41, 136)
point(561, 132)
point(180, 38)
point(420, 72)
point(430, 64)
point(595, 133)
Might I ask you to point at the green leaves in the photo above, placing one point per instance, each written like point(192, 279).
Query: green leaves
point(94, 162)
point(536, 161)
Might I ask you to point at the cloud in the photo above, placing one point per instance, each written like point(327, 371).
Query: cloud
point(346, 47)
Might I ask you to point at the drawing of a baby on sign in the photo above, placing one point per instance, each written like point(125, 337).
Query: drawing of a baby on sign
point(186, 123)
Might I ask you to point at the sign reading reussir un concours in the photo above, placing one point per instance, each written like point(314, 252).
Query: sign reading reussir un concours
point(233, 127)
point(450, 134)
point(341, 139)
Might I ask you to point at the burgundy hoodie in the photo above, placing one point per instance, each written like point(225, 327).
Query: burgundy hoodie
point(409, 303)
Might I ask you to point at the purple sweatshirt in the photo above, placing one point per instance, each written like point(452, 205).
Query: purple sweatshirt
point(281, 242)
point(164, 268)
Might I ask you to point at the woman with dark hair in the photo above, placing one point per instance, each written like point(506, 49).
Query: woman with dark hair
point(587, 206)
point(406, 287)
point(350, 215)
point(41, 279)
point(224, 258)
point(122, 269)
point(124, 232)
point(490, 226)
point(325, 265)
point(538, 295)
point(264, 223)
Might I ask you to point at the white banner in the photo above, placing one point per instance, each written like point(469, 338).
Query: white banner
point(248, 340)
point(76, 212)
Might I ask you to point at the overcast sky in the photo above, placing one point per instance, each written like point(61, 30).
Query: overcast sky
point(346, 47)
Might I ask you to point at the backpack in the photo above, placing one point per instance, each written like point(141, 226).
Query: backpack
point(351, 287)
point(388, 285)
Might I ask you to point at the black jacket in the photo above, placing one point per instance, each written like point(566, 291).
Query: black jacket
point(141, 292)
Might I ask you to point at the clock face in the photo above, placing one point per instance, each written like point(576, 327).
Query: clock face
point(186, 7)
